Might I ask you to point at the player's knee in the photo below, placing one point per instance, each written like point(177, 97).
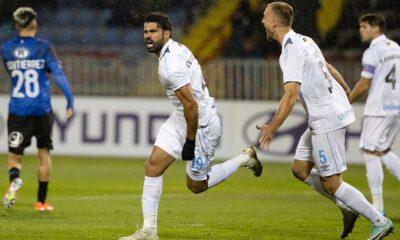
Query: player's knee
point(152, 169)
point(299, 173)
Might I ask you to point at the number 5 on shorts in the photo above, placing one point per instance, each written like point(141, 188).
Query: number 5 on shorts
point(322, 157)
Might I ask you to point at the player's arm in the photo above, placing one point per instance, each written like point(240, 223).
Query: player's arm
point(289, 98)
point(338, 77)
point(191, 113)
point(62, 83)
point(360, 88)
point(61, 80)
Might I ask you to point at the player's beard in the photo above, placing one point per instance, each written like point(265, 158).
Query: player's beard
point(156, 46)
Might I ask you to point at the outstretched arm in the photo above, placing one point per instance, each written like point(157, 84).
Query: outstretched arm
point(191, 112)
point(289, 98)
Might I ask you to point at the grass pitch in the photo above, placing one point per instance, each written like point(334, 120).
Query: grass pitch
point(99, 198)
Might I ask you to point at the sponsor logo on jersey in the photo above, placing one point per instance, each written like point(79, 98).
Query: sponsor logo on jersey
point(15, 139)
point(21, 52)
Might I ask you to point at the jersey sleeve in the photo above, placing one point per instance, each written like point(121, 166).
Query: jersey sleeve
point(291, 62)
point(369, 63)
point(51, 55)
point(178, 76)
point(61, 80)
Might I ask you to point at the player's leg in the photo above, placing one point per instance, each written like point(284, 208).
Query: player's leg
point(377, 136)
point(392, 163)
point(14, 168)
point(329, 155)
point(201, 175)
point(352, 197)
point(374, 174)
point(155, 166)
point(302, 170)
point(19, 137)
point(43, 172)
point(389, 158)
point(167, 148)
point(42, 131)
point(302, 167)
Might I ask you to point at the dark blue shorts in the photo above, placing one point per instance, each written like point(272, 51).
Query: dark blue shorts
point(21, 129)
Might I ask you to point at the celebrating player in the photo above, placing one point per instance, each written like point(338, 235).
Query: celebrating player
point(380, 75)
point(191, 133)
point(28, 59)
point(324, 95)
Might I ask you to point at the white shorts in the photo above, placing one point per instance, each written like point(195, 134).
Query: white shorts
point(172, 136)
point(379, 133)
point(326, 151)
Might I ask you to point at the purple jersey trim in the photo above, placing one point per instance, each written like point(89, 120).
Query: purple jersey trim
point(369, 68)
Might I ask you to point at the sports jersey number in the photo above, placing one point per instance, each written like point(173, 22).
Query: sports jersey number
point(391, 77)
point(28, 79)
point(322, 157)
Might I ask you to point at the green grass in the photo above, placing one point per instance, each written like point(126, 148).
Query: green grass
point(99, 198)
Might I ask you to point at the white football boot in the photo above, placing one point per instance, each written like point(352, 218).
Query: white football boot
point(252, 163)
point(9, 197)
point(141, 234)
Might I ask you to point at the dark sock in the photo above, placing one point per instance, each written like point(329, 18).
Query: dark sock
point(42, 192)
point(13, 173)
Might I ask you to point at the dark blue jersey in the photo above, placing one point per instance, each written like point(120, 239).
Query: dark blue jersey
point(28, 60)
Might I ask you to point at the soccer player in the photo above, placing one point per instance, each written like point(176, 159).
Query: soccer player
point(380, 77)
point(320, 155)
point(191, 133)
point(27, 60)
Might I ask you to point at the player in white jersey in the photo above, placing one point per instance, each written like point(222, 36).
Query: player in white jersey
point(320, 155)
point(380, 77)
point(191, 133)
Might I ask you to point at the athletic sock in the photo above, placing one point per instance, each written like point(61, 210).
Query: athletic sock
point(152, 189)
point(220, 172)
point(13, 173)
point(314, 181)
point(42, 192)
point(375, 179)
point(356, 201)
point(392, 163)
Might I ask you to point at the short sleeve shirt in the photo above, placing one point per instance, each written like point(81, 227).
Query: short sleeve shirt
point(324, 100)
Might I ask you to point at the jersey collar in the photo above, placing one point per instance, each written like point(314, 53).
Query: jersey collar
point(381, 37)
point(286, 38)
point(165, 49)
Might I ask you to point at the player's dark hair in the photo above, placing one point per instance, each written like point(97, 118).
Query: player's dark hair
point(374, 20)
point(160, 18)
point(284, 13)
point(23, 16)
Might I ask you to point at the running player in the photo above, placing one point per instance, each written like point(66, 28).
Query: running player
point(324, 95)
point(191, 133)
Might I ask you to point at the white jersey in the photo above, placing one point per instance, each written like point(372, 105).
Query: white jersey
point(322, 97)
point(381, 63)
point(177, 68)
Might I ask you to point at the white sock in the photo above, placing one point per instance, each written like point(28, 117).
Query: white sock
point(392, 163)
point(314, 181)
point(152, 189)
point(375, 179)
point(220, 172)
point(356, 201)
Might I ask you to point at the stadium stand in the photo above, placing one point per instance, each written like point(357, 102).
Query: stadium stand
point(101, 42)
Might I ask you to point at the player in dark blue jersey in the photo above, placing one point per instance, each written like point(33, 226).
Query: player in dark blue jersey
point(28, 60)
